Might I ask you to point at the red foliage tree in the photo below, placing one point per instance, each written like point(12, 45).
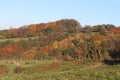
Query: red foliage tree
point(115, 30)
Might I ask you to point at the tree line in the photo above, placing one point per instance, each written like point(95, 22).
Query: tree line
point(64, 39)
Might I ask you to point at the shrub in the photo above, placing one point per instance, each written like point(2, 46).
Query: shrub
point(17, 70)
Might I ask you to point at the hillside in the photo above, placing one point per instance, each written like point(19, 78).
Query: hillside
point(61, 40)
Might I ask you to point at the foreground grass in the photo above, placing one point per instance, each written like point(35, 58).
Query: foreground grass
point(59, 70)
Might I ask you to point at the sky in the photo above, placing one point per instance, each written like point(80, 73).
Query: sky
point(16, 13)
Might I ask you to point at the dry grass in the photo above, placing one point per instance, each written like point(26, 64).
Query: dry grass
point(3, 70)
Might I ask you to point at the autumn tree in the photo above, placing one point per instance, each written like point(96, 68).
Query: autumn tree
point(87, 29)
point(114, 46)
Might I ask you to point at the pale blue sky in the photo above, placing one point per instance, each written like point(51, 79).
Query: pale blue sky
point(15, 13)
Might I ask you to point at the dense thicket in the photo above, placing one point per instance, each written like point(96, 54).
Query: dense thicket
point(64, 39)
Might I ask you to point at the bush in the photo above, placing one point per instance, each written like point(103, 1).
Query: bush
point(17, 70)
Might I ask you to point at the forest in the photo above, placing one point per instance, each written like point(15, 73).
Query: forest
point(64, 39)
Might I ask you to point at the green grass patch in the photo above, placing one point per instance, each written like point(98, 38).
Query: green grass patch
point(62, 70)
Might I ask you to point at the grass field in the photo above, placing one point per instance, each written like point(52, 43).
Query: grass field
point(58, 70)
point(16, 39)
